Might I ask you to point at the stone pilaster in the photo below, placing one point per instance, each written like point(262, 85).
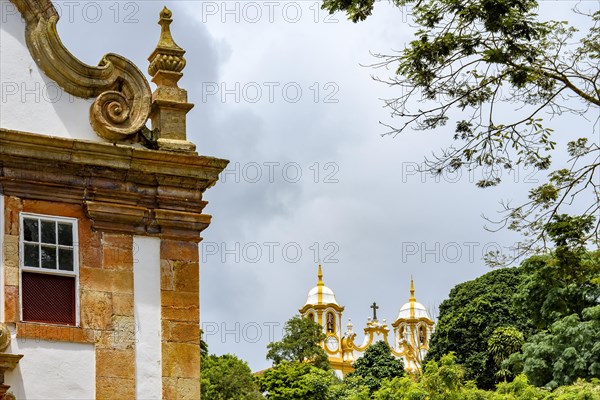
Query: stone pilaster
point(113, 314)
point(180, 317)
point(12, 208)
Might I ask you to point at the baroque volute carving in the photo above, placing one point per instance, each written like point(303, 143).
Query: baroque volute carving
point(122, 93)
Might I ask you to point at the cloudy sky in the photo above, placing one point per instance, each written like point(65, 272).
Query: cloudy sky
point(281, 90)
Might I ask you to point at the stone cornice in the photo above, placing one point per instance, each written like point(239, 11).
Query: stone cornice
point(122, 93)
point(123, 188)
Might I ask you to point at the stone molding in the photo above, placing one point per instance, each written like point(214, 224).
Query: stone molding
point(8, 362)
point(123, 189)
point(123, 96)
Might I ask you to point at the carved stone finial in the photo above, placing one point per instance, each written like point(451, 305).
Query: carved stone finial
point(169, 102)
point(349, 326)
point(166, 61)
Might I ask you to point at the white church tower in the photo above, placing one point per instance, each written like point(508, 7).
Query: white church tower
point(412, 331)
point(322, 307)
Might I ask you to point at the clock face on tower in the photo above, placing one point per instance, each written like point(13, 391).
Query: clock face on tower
point(331, 343)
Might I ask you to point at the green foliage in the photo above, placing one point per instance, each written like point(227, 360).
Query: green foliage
point(319, 382)
point(443, 380)
point(227, 378)
point(300, 343)
point(401, 389)
point(519, 389)
point(296, 381)
point(440, 380)
point(581, 390)
point(469, 317)
point(376, 364)
point(564, 282)
point(351, 388)
point(505, 340)
point(485, 320)
point(552, 290)
point(358, 10)
point(568, 351)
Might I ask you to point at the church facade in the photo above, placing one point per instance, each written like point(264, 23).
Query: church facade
point(101, 211)
point(409, 339)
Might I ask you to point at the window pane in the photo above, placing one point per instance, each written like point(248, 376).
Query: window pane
point(49, 232)
point(30, 230)
point(32, 255)
point(65, 259)
point(49, 257)
point(65, 234)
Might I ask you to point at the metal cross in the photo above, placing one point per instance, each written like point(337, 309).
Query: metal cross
point(375, 307)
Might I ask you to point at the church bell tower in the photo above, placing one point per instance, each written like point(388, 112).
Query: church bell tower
point(322, 307)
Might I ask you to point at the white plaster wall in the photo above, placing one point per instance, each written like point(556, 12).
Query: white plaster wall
point(146, 295)
point(52, 370)
point(29, 100)
point(376, 338)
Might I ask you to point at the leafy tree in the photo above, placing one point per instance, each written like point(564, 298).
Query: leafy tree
point(505, 340)
point(494, 70)
point(565, 281)
point(377, 363)
point(581, 390)
point(469, 316)
point(227, 378)
point(352, 388)
point(443, 380)
point(296, 381)
point(301, 343)
point(320, 383)
point(519, 388)
point(400, 389)
point(568, 351)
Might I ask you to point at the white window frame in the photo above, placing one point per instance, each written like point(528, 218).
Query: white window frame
point(40, 270)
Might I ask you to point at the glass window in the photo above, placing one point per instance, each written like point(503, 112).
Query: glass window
point(49, 270)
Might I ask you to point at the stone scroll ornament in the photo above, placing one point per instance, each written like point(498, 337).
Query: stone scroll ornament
point(122, 93)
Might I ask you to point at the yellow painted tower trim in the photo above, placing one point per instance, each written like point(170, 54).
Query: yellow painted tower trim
point(412, 300)
point(320, 285)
